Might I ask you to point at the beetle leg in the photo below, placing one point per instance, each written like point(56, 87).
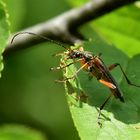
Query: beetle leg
point(73, 77)
point(59, 67)
point(90, 76)
point(101, 107)
point(128, 81)
point(108, 84)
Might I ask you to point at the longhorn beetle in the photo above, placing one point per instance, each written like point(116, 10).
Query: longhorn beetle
point(92, 64)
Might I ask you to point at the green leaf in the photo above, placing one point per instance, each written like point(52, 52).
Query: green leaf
point(17, 16)
point(4, 30)
point(19, 132)
point(120, 120)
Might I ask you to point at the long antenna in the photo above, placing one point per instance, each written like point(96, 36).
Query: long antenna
point(41, 36)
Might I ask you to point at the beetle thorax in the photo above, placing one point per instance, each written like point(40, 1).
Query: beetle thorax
point(87, 56)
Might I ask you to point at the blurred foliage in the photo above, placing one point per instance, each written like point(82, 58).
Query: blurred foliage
point(120, 27)
point(4, 31)
point(30, 96)
point(19, 132)
point(123, 29)
point(16, 17)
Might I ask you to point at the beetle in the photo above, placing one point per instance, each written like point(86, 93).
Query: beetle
point(92, 64)
point(97, 68)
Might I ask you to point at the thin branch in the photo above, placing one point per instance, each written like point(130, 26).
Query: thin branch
point(65, 27)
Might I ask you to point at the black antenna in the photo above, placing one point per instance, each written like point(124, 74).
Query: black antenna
point(41, 36)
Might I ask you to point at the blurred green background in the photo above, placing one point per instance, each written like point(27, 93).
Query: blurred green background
point(29, 95)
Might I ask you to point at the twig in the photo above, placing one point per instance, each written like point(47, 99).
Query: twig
point(65, 27)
